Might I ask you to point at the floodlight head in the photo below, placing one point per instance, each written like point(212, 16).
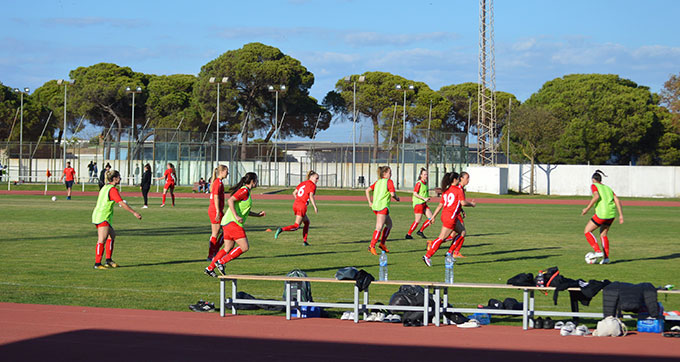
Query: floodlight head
point(271, 88)
point(127, 89)
point(225, 79)
point(398, 86)
point(411, 87)
point(139, 89)
point(26, 90)
point(348, 78)
point(211, 80)
point(60, 82)
point(16, 90)
point(283, 87)
point(362, 78)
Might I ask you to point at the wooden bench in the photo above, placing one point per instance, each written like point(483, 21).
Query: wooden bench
point(440, 306)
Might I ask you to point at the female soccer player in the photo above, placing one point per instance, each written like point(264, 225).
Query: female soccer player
point(451, 201)
point(421, 196)
point(460, 231)
point(606, 205)
point(216, 209)
point(239, 203)
point(383, 192)
point(102, 217)
point(304, 194)
point(170, 177)
point(69, 175)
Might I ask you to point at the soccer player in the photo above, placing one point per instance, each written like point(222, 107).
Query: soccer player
point(304, 194)
point(102, 217)
point(239, 203)
point(216, 209)
point(170, 177)
point(69, 177)
point(460, 231)
point(383, 192)
point(606, 205)
point(421, 196)
point(450, 204)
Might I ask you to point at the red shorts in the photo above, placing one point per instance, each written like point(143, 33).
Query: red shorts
point(600, 222)
point(384, 211)
point(169, 186)
point(420, 208)
point(102, 224)
point(232, 231)
point(449, 221)
point(212, 215)
point(300, 210)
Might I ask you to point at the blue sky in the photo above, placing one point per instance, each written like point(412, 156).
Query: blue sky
point(434, 41)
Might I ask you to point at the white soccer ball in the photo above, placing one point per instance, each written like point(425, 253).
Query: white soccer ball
point(590, 258)
point(54, 198)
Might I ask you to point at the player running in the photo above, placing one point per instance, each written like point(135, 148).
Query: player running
point(69, 177)
point(450, 204)
point(421, 195)
point(170, 177)
point(304, 194)
point(239, 203)
point(606, 205)
point(216, 209)
point(102, 217)
point(383, 192)
point(460, 231)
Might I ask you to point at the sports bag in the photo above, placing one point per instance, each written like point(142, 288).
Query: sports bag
point(304, 287)
point(610, 327)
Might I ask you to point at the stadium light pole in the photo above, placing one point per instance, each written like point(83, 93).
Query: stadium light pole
point(21, 127)
point(403, 134)
point(276, 90)
point(134, 91)
point(361, 79)
point(214, 80)
point(63, 143)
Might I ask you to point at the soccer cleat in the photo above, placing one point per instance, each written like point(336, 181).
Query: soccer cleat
point(427, 260)
point(162, 205)
point(99, 266)
point(420, 233)
point(220, 267)
point(581, 330)
point(538, 323)
point(278, 231)
point(305, 243)
point(111, 264)
point(372, 250)
point(383, 247)
point(210, 273)
point(407, 236)
point(457, 255)
point(605, 261)
point(598, 254)
point(145, 207)
point(68, 197)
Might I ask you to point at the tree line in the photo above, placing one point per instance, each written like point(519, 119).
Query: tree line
point(578, 118)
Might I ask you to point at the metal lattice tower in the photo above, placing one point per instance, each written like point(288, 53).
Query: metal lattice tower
point(486, 90)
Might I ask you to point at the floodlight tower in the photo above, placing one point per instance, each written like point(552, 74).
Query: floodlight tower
point(486, 89)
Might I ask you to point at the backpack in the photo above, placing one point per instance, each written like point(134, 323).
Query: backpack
point(304, 287)
point(610, 327)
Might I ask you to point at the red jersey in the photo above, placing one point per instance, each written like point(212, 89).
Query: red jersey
point(242, 194)
point(169, 176)
point(451, 199)
point(390, 186)
point(216, 191)
point(69, 174)
point(114, 195)
point(302, 192)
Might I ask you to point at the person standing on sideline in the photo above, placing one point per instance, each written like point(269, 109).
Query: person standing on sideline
point(146, 185)
point(68, 176)
point(102, 175)
point(102, 218)
point(170, 177)
point(303, 194)
point(239, 203)
point(95, 172)
point(606, 205)
point(89, 171)
point(421, 195)
point(383, 192)
point(216, 209)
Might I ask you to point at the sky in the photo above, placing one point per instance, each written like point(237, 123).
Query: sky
point(433, 41)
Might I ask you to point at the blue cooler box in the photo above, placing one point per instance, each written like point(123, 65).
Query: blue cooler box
point(307, 312)
point(650, 325)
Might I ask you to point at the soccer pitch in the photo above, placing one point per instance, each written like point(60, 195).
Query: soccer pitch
point(47, 251)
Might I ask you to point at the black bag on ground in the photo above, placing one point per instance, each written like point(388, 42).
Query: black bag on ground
point(512, 304)
point(304, 287)
point(244, 295)
point(346, 273)
point(523, 280)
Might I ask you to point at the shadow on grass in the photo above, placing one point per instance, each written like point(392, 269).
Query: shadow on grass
point(486, 234)
point(538, 257)
point(518, 250)
point(663, 257)
point(164, 263)
point(330, 268)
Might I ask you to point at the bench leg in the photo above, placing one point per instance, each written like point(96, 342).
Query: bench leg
point(446, 304)
point(233, 296)
point(437, 307)
point(222, 304)
point(426, 307)
point(287, 300)
point(356, 304)
point(531, 304)
point(525, 309)
point(365, 303)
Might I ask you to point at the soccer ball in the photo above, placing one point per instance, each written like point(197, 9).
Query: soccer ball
point(54, 198)
point(591, 258)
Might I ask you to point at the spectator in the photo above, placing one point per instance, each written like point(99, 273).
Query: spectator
point(146, 185)
point(95, 172)
point(102, 175)
point(201, 185)
point(89, 170)
point(2, 170)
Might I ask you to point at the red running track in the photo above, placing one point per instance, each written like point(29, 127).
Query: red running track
point(32, 332)
point(358, 198)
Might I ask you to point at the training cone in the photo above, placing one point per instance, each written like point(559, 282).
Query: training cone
point(268, 230)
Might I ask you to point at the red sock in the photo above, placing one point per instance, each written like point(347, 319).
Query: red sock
point(376, 235)
point(593, 242)
point(163, 199)
point(605, 245)
point(413, 227)
point(173, 199)
point(452, 248)
point(385, 234)
point(305, 231)
point(98, 253)
point(217, 257)
point(434, 247)
point(233, 254)
point(290, 227)
point(425, 225)
point(109, 248)
point(459, 245)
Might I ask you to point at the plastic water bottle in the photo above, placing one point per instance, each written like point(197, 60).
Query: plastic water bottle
point(448, 268)
point(383, 266)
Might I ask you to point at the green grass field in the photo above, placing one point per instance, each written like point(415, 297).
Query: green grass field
point(47, 251)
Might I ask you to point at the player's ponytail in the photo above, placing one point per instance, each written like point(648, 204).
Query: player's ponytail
point(111, 174)
point(420, 174)
point(310, 174)
point(246, 179)
point(218, 170)
point(174, 172)
point(448, 179)
point(597, 176)
point(382, 170)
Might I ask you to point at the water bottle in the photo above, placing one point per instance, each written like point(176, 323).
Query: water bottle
point(383, 266)
point(448, 268)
